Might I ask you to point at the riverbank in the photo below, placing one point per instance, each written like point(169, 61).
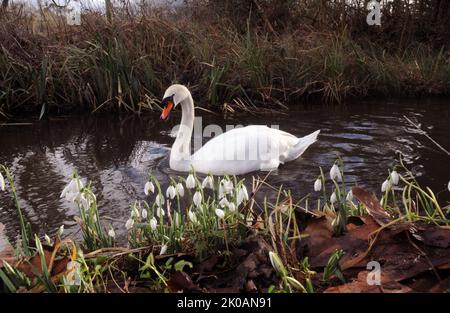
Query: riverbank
point(227, 241)
point(125, 64)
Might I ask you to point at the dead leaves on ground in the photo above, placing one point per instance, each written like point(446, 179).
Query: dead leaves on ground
point(404, 250)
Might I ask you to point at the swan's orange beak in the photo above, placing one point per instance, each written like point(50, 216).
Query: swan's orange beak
point(166, 111)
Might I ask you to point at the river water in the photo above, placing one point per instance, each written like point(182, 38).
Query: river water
point(116, 153)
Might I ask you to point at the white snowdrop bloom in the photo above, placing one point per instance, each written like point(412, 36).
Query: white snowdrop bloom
point(335, 173)
point(395, 177)
point(333, 198)
point(135, 213)
point(84, 203)
point(277, 264)
point(159, 200)
point(129, 224)
point(61, 230)
point(318, 185)
point(48, 240)
point(224, 202)
point(144, 214)
point(2, 182)
point(448, 186)
point(197, 198)
point(386, 186)
point(179, 189)
point(231, 207)
point(220, 213)
point(177, 219)
point(190, 182)
point(153, 223)
point(242, 194)
point(192, 217)
point(149, 188)
point(72, 191)
point(112, 233)
point(208, 182)
point(163, 249)
point(160, 212)
point(171, 192)
point(349, 197)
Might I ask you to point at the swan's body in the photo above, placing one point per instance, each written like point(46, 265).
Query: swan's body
point(238, 151)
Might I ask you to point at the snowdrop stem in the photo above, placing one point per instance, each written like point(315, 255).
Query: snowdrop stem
point(322, 177)
point(24, 226)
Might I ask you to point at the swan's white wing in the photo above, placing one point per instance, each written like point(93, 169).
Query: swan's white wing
point(243, 150)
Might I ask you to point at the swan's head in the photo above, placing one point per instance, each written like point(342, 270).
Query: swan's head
point(173, 96)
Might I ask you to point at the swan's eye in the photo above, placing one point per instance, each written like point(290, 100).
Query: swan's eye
point(168, 107)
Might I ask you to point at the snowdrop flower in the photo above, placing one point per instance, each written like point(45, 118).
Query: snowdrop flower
point(159, 200)
point(72, 191)
point(277, 264)
point(318, 185)
point(224, 202)
point(144, 214)
point(153, 223)
point(225, 187)
point(149, 187)
point(231, 207)
point(176, 219)
point(335, 173)
point(197, 198)
point(84, 203)
point(171, 192)
point(163, 249)
point(190, 181)
point(2, 182)
point(242, 194)
point(61, 230)
point(135, 213)
point(220, 213)
point(394, 177)
point(386, 186)
point(179, 189)
point(129, 224)
point(111, 233)
point(448, 186)
point(160, 212)
point(208, 182)
point(192, 217)
point(48, 240)
point(349, 197)
point(333, 198)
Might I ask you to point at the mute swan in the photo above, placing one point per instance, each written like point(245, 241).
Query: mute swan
point(238, 151)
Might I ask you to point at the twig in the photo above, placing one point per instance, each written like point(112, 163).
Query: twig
point(428, 136)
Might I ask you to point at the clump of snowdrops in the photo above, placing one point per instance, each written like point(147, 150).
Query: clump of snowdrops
point(190, 214)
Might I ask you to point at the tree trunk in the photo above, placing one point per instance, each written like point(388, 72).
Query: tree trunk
point(5, 4)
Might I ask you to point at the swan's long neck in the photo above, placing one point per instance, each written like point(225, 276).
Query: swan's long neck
point(180, 156)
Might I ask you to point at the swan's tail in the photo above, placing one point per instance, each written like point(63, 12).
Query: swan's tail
point(302, 144)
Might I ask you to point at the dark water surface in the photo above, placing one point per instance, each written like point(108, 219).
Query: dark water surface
point(116, 153)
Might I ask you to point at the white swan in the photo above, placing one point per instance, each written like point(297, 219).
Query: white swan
point(238, 151)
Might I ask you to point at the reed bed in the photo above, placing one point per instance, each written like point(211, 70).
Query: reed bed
point(125, 64)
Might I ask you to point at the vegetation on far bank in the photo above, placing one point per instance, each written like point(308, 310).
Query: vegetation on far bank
point(224, 240)
point(233, 53)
